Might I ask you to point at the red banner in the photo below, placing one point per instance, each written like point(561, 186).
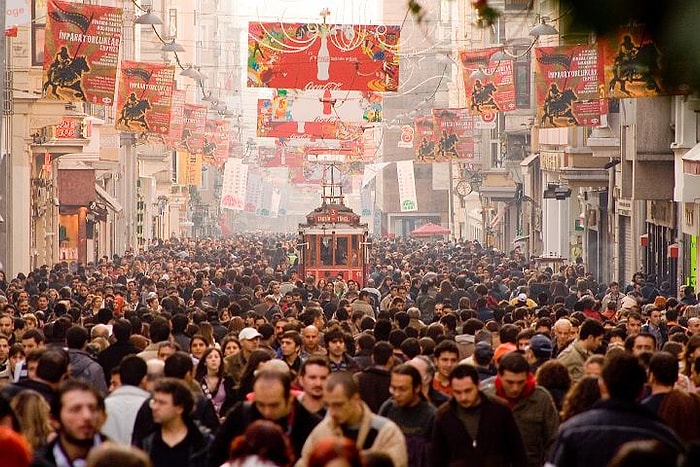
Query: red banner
point(455, 139)
point(216, 142)
point(425, 139)
point(568, 86)
point(145, 97)
point(194, 121)
point(81, 52)
point(177, 119)
point(494, 91)
point(632, 64)
point(312, 56)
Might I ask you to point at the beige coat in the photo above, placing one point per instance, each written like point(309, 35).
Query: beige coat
point(389, 440)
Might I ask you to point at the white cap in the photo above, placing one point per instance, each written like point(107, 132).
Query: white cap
point(248, 334)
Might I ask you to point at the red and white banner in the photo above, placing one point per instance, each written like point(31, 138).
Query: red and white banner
point(495, 90)
point(177, 119)
point(235, 181)
point(81, 52)
point(316, 114)
point(309, 56)
point(568, 86)
point(145, 97)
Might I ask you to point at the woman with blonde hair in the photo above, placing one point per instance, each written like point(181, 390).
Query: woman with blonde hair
point(32, 410)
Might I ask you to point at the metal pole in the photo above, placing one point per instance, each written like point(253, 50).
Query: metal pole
point(4, 156)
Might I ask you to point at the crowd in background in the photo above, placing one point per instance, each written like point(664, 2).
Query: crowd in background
point(216, 351)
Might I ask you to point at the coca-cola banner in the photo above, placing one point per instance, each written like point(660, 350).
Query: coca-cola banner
point(144, 98)
point(194, 124)
point(567, 83)
point(216, 142)
point(491, 90)
point(81, 52)
point(318, 114)
point(309, 56)
point(632, 64)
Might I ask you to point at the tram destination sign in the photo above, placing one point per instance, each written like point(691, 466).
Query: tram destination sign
point(333, 217)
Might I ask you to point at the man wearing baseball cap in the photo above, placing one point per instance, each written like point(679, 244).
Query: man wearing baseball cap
point(538, 351)
point(234, 364)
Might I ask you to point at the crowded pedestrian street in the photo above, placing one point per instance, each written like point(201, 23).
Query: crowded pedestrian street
point(349, 233)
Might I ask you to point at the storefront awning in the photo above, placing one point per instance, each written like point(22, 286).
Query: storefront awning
point(693, 155)
point(110, 200)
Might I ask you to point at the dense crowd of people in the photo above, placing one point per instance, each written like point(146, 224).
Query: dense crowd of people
point(216, 352)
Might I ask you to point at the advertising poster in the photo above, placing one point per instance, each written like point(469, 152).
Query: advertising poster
point(455, 134)
point(495, 91)
point(568, 86)
point(194, 123)
point(309, 56)
point(81, 52)
point(145, 97)
point(632, 64)
point(408, 200)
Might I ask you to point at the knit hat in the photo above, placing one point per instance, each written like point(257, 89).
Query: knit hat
point(503, 349)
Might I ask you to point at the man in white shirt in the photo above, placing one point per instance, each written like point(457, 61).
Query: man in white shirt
point(124, 402)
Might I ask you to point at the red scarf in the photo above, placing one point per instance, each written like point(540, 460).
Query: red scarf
point(528, 389)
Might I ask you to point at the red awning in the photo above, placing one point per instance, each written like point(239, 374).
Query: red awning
point(430, 230)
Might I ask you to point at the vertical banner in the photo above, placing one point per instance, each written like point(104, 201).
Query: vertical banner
point(275, 200)
point(233, 189)
point(145, 97)
point(366, 202)
point(632, 64)
point(254, 192)
point(495, 91)
point(216, 142)
point(194, 124)
point(310, 56)
point(189, 168)
point(407, 186)
point(81, 52)
point(425, 139)
point(455, 134)
point(567, 84)
point(177, 119)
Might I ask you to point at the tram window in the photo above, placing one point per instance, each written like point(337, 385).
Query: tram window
point(341, 251)
point(311, 249)
point(327, 251)
point(354, 255)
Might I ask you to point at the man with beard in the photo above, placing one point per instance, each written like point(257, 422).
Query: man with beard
point(79, 412)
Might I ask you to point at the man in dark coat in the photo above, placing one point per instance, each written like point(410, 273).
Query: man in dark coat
point(473, 428)
point(375, 380)
point(593, 437)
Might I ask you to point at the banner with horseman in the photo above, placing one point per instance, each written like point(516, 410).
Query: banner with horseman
point(632, 64)
point(145, 97)
point(488, 83)
point(455, 134)
point(567, 86)
point(425, 140)
point(194, 124)
point(216, 142)
point(81, 52)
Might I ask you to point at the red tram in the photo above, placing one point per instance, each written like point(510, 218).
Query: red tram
point(333, 241)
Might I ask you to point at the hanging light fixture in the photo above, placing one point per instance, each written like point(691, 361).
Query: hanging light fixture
point(149, 18)
point(190, 72)
point(172, 46)
point(543, 29)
